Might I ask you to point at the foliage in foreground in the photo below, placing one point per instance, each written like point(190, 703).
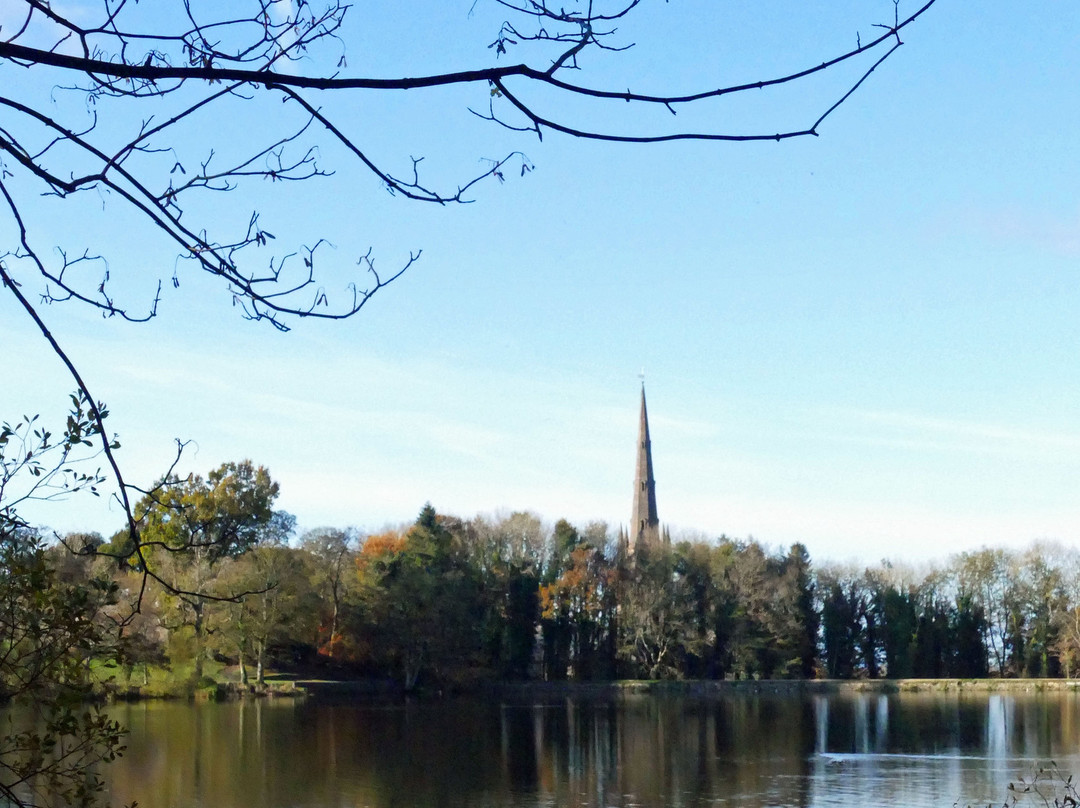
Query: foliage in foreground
point(53, 741)
point(1045, 785)
point(50, 627)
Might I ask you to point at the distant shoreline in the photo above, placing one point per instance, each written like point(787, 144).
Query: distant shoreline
point(383, 690)
point(780, 687)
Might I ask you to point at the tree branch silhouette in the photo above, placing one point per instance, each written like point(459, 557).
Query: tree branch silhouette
point(151, 84)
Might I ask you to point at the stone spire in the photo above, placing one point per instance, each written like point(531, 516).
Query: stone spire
point(644, 523)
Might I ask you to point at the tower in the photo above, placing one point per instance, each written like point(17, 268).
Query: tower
point(644, 523)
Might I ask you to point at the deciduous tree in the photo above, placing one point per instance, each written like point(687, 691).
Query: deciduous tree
point(280, 605)
point(332, 552)
point(188, 526)
point(657, 626)
point(577, 606)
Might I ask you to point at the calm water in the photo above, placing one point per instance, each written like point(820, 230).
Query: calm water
point(907, 750)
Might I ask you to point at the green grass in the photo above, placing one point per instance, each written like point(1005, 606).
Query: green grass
point(177, 680)
point(156, 681)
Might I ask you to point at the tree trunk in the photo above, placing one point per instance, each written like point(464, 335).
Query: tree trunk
point(333, 626)
point(198, 628)
point(412, 663)
point(260, 652)
point(197, 607)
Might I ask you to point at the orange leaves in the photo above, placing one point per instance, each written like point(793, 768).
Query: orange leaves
point(380, 547)
point(579, 593)
point(388, 543)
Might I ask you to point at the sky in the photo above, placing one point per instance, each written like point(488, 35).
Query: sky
point(866, 341)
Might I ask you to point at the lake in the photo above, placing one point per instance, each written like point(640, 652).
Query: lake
point(745, 750)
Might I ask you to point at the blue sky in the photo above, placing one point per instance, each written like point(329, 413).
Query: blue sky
point(865, 341)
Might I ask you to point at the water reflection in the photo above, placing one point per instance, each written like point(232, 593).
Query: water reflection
point(746, 750)
point(997, 725)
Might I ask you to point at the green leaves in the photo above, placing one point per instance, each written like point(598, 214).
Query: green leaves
point(222, 515)
point(55, 740)
point(37, 464)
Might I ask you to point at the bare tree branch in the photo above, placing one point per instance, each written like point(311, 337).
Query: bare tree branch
point(138, 92)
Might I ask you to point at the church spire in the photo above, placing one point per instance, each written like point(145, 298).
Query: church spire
point(644, 523)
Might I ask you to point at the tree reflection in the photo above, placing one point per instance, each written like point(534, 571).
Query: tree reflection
point(747, 750)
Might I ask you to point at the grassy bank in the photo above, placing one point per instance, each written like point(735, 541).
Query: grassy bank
point(180, 682)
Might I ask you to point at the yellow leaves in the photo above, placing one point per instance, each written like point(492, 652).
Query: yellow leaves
point(549, 601)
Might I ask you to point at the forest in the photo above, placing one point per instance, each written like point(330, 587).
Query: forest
point(447, 602)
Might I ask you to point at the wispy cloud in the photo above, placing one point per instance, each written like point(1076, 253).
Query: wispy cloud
point(937, 432)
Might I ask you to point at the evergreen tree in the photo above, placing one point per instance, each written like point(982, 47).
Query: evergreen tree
point(899, 630)
point(970, 656)
point(839, 628)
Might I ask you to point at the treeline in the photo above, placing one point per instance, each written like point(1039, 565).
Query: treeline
point(450, 601)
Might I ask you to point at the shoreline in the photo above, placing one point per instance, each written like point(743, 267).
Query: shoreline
point(780, 687)
point(381, 690)
point(222, 691)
